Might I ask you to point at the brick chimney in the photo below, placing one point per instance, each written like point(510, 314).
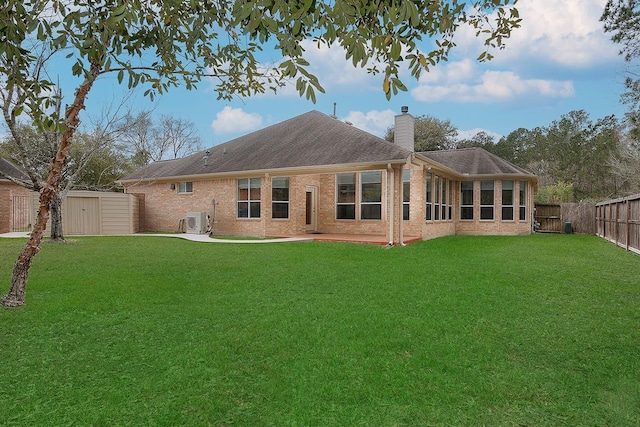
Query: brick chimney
point(404, 130)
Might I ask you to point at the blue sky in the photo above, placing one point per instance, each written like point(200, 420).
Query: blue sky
point(559, 61)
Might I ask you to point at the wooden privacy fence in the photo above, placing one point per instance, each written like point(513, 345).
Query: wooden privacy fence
point(554, 218)
point(20, 216)
point(618, 221)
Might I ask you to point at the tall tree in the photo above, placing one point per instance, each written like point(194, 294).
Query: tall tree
point(621, 18)
point(481, 139)
point(515, 147)
point(146, 141)
point(102, 168)
point(161, 44)
point(626, 164)
point(580, 150)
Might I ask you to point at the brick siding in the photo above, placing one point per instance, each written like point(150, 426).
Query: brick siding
point(164, 208)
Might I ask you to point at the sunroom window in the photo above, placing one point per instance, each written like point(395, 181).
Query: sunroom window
point(523, 201)
point(486, 200)
point(507, 200)
point(466, 200)
point(429, 196)
point(444, 199)
point(406, 193)
point(436, 198)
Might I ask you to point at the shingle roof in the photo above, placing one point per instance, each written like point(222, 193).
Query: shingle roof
point(9, 169)
point(475, 161)
point(310, 139)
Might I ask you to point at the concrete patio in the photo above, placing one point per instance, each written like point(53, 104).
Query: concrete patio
point(204, 238)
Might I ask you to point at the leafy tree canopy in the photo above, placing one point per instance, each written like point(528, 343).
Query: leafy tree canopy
point(165, 43)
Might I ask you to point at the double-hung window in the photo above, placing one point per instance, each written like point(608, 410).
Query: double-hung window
point(444, 199)
point(371, 195)
point(507, 200)
point(406, 193)
point(185, 187)
point(346, 196)
point(466, 200)
point(486, 200)
point(280, 198)
point(451, 187)
point(249, 198)
point(436, 198)
point(523, 201)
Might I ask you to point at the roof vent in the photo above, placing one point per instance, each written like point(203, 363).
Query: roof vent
point(404, 109)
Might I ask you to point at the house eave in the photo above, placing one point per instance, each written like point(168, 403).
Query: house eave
point(299, 170)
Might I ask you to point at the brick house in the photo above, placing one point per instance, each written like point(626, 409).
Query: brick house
point(316, 174)
point(14, 199)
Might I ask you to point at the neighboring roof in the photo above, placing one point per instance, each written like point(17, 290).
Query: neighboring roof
point(475, 161)
point(311, 139)
point(9, 169)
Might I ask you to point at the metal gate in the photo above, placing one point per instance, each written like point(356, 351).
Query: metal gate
point(20, 214)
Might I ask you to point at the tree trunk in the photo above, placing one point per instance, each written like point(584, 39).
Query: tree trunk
point(17, 292)
point(56, 218)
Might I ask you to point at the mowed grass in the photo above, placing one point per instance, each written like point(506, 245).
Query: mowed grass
point(537, 330)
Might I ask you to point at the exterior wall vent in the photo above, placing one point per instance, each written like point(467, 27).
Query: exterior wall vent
point(196, 222)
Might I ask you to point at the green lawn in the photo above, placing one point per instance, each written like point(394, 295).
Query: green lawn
point(518, 331)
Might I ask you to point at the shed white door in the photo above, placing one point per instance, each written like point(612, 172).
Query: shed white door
point(82, 215)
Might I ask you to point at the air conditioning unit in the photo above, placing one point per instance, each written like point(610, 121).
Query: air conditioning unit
point(196, 222)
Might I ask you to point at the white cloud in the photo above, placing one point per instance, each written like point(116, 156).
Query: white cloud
point(464, 82)
point(375, 122)
point(565, 32)
point(331, 67)
point(235, 120)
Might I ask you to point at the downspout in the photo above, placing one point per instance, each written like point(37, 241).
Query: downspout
point(401, 195)
point(391, 200)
